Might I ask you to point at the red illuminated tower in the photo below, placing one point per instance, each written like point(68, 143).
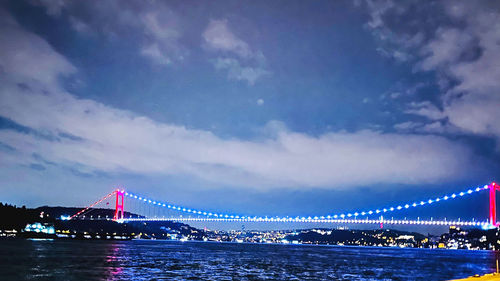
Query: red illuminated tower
point(119, 205)
point(493, 209)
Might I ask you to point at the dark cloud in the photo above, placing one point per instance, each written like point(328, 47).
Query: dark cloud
point(459, 42)
point(37, 167)
point(150, 25)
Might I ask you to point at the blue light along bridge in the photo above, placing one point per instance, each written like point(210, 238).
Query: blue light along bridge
point(156, 211)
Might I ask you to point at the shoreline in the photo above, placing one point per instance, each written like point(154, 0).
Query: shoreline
point(477, 277)
point(131, 238)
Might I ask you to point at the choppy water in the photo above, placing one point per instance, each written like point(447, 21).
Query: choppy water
point(161, 260)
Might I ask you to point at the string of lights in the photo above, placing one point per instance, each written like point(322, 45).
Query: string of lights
point(301, 220)
point(92, 205)
point(343, 216)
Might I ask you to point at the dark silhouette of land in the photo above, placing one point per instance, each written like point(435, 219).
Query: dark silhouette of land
point(16, 218)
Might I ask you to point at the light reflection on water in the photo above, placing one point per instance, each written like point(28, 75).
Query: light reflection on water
point(147, 260)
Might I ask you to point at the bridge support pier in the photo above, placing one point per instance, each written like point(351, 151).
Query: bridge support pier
point(119, 205)
point(493, 208)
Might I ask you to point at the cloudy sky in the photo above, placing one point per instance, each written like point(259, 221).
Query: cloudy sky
point(281, 107)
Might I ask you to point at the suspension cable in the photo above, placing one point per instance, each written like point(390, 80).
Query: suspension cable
point(93, 204)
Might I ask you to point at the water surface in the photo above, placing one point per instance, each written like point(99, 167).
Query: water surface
point(167, 260)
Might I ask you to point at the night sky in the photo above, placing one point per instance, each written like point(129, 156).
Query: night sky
point(257, 107)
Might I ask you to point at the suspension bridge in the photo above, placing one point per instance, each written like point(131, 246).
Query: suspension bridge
point(155, 210)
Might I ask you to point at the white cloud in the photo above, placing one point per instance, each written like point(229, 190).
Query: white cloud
point(426, 109)
point(446, 48)
point(79, 25)
point(237, 72)
point(25, 54)
point(120, 141)
point(153, 51)
point(473, 104)
point(395, 95)
point(161, 27)
point(409, 125)
point(395, 45)
point(113, 140)
point(476, 115)
point(377, 10)
point(218, 36)
point(245, 64)
point(436, 127)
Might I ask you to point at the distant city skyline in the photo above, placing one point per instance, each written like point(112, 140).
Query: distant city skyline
point(283, 107)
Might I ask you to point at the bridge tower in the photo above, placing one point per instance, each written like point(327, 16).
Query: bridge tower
point(119, 205)
point(493, 209)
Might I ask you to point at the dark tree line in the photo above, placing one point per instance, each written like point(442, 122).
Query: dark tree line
point(13, 217)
